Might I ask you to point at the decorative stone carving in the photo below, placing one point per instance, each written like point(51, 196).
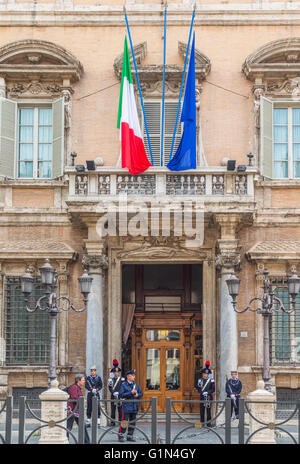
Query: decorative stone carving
point(94, 262)
point(157, 250)
point(34, 88)
point(228, 260)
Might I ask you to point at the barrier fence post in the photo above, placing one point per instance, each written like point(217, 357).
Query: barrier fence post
point(8, 424)
point(227, 421)
point(299, 423)
point(81, 420)
point(21, 420)
point(94, 418)
point(241, 421)
point(154, 420)
point(168, 421)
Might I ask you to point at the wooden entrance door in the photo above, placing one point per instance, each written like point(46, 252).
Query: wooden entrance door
point(162, 358)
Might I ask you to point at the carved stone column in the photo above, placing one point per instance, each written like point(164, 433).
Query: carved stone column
point(94, 327)
point(227, 260)
point(228, 323)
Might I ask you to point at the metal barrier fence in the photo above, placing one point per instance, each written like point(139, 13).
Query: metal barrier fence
point(220, 423)
point(176, 428)
point(29, 410)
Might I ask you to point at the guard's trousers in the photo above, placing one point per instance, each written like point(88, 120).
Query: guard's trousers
point(202, 414)
point(235, 407)
point(114, 408)
point(89, 405)
point(131, 417)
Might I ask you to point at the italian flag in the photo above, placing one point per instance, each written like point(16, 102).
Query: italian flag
point(133, 151)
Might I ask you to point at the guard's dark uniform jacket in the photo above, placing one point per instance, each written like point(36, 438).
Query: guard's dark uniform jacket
point(235, 386)
point(125, 393)
point(206, 386)
point(93, 383)
point(115, 385)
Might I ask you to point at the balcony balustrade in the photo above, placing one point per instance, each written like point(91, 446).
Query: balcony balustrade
point(206, 181)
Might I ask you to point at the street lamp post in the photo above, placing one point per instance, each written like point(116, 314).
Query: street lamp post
point(51, 304)
point(266, 310)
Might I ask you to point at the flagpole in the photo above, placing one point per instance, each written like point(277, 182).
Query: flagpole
point(163, 89)
point(139, 86)
point(182, 81)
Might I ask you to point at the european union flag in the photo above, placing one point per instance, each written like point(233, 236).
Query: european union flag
point(185, 156)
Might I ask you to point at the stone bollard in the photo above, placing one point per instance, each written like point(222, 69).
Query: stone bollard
point(264, 412)
point(52, 412)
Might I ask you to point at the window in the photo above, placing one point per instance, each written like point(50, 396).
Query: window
point(284, 328)
point(280, 139)
point(286, 142)
point(31, 139)
point(27, 334)
point(153, 111)
point(35, 142)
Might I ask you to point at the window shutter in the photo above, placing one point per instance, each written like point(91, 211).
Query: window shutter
point(153, 116)
point(8, 128)
point(170, 118)
point(58, 138)
point(153, 110)
point(266, 137)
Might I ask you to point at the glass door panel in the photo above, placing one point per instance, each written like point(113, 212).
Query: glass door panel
point(153, 369)
point(172, 368)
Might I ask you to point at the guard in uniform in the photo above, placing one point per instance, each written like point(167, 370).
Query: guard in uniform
point(129, 391)
point(115, 364)
point(114, 385)
point(206, 388)
point(93, 385)
point(233, 389)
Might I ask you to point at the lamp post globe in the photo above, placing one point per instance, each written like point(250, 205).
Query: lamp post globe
point(47, 273)
point(27, 283)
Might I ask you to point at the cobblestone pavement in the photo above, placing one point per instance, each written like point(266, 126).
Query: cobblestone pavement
point(191, 436)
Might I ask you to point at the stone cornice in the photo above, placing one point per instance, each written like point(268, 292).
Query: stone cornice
point(37, 249)
point(275, 250)
point(50, 14)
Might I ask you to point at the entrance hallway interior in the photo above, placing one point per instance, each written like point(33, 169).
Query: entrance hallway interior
point(162, 328)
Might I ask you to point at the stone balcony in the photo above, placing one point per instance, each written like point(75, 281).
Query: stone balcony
point(219, 189)
point(212, 183)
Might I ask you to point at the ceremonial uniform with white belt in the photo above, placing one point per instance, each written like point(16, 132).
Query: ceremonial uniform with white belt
point(206, 388)
point(114, 385)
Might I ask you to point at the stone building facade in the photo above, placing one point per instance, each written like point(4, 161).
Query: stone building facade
point(157, 305)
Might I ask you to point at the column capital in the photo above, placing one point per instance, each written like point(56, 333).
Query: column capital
point(95, 263)
point(228, 256)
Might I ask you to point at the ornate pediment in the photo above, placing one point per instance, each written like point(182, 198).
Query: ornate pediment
point(151, 75)
point(278, 59)
point(38, 58)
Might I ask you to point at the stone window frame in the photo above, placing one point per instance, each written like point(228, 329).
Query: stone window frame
point(151, 77)
point(274, 70)
point(39, 72)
